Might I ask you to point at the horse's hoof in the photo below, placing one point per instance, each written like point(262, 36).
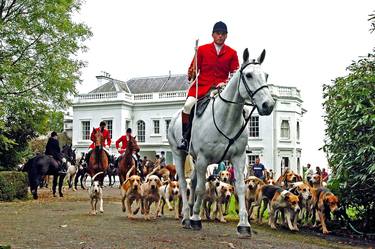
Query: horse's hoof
point(186, 224)
point(35, 196)
point(61, 195)
point(244, 232)
point(196, 224)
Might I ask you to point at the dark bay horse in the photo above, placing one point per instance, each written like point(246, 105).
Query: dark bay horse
point(127, 161)
point(37, 168)
point(98, 161)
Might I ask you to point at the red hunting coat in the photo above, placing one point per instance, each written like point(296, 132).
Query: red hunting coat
point(124, 144)
point(107, 138)
point(213, 68)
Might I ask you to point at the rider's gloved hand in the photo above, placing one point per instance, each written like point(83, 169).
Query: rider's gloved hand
point(220, 85)
point(106, 147)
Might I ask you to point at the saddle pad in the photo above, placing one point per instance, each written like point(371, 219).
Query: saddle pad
point(202, 105)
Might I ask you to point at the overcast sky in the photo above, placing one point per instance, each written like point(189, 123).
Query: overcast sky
point(308, 43)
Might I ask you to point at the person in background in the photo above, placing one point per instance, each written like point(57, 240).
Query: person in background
point(259, 169)
point(309, 172)
point(318, 171)
point(53, 150)
point(162, 159)
point(106, 141)
point(232, 172)
point(324, 175)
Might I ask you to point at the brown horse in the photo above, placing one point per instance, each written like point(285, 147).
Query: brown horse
point(98, 159)
point(127, 160)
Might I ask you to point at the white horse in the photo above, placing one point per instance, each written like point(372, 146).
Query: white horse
point(222, 124)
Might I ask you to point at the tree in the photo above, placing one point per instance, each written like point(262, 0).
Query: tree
point(38, 68)
point(350, 117)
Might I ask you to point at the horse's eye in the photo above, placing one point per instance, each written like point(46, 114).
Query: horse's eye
point(248, 75)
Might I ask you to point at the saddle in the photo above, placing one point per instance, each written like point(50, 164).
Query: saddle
point(202, 104)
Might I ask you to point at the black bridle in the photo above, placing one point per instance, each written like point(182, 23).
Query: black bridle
point(251, 95)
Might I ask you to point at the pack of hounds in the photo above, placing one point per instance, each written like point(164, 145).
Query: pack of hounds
point(289, 200)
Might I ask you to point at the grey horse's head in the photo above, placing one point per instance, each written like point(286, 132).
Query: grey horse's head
point(254, 84)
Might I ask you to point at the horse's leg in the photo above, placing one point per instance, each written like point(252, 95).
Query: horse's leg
point(61, 182)
point(76, 180)
point(200, 168)
point(180, 162)
point(34, 182)
point(243, 227)
point(54, 184)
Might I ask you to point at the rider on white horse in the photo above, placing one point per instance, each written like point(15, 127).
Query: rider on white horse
point(215, 62)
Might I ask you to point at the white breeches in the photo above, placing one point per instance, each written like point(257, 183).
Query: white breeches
point(190, 101)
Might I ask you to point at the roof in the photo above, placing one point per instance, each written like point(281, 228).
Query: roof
point(167, 83)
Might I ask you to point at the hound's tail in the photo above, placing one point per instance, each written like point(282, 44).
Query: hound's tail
point(93, 178)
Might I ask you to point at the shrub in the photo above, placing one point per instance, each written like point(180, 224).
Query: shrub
point(13, 185)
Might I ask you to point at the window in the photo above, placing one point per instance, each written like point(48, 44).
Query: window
point(285, 129)
point(141, 127)
point(284, 164)
point(298, 165)
point(156, 127)
point(167, 123)
point(254, 126)
point(127, 124)
point(298, 131)
point(109, 127)
point(252, 159)
point(85, 130)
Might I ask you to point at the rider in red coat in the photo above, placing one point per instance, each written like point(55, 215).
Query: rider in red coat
point(215, 62)
point(124, 141)
point(106, 143)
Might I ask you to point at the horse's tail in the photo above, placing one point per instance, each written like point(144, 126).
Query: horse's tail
point(93, 178)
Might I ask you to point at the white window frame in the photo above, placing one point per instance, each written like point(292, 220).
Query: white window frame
point(141, 135)
point(156, 125)
point(109, 127)
point(254, 127)
point(84, 137)
point(285, 129)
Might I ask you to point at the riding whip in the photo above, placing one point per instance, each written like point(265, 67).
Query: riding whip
point(196, 87)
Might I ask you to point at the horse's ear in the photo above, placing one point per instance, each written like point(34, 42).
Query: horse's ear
point(261, 57)
point(245, 55)
point(135, 137)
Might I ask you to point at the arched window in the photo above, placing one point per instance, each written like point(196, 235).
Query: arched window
point(141, 131)
point(285, 130)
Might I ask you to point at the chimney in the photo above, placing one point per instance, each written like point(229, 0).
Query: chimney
point(103, 78)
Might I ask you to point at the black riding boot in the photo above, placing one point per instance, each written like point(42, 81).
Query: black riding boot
point(61, 169)
point(184, 143)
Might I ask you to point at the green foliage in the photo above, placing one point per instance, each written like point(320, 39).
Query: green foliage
point(13, 185)
point(350, 117)
point(38, 70)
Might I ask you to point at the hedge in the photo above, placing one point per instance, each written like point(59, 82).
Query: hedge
point(13, 185)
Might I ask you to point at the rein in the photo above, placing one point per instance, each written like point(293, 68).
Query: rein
point(251, 94)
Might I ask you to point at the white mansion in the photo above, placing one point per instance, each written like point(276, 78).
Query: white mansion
point(147, 105)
